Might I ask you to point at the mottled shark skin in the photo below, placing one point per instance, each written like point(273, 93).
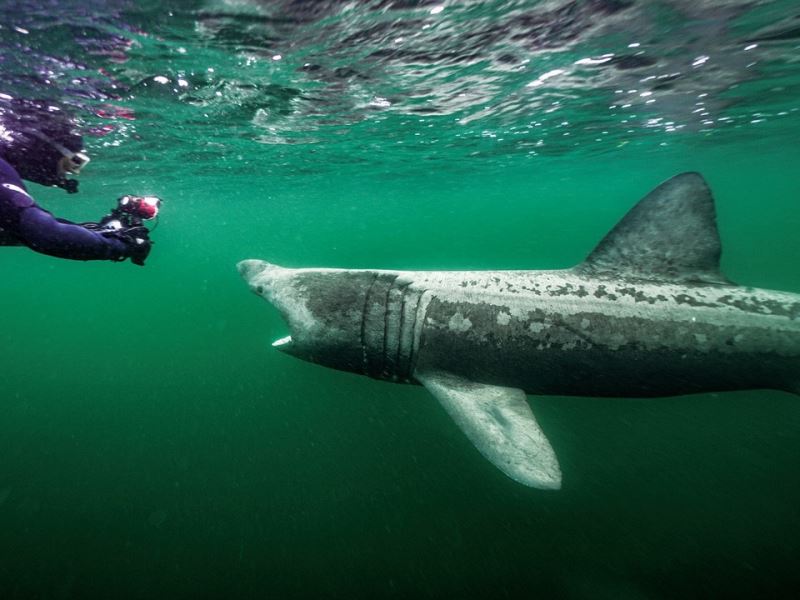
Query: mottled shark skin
point(647, 314)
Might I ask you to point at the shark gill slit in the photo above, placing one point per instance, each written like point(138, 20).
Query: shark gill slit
point(408, 321)
point(401, 290)
point(399, 371)
point(423, 299)
point(404, 301)
point(364, 358)
point(377, 325)
point(387, 314)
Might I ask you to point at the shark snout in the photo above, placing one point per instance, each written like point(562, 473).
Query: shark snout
point(323, 309)
point(276, 285)
point(251, 268)
point(260, 276)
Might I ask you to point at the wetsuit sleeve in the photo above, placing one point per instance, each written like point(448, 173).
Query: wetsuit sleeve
point(6, 239)
point(21, 218)
point(42, 232)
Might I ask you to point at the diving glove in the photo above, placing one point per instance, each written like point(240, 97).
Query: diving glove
point(137, 242)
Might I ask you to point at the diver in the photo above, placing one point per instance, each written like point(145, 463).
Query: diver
point(38, 144)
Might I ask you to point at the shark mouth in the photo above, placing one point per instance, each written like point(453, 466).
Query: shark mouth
point(284, 341)
point(260, 276)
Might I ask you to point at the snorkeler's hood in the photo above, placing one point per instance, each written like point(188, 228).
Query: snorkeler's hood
point(29, 136)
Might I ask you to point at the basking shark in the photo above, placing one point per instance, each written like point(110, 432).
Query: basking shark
point(647, 314)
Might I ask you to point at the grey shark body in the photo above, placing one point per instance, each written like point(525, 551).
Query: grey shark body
point(647, 314)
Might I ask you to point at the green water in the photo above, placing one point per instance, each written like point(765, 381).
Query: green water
point(154, 445)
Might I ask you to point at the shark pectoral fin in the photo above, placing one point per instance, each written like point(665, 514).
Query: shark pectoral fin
point(499, 421)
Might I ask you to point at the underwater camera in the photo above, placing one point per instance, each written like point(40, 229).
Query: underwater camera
point(131, 211)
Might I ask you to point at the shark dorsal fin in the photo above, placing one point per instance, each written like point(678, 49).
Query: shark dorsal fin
point(671, 234)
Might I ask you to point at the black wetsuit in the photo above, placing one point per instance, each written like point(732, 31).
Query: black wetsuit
point(22, 222)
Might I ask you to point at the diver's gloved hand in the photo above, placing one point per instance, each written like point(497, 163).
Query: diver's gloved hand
point(71, 185)
point(137, 242)
point(138, 239)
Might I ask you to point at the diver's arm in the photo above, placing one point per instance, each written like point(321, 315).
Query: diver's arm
point(41, 231)
point(6, 239)
point(22, 219)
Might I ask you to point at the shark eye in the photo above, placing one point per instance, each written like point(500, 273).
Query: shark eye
point(260, 289)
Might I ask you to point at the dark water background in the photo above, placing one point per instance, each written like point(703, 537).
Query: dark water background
point(153, 445)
